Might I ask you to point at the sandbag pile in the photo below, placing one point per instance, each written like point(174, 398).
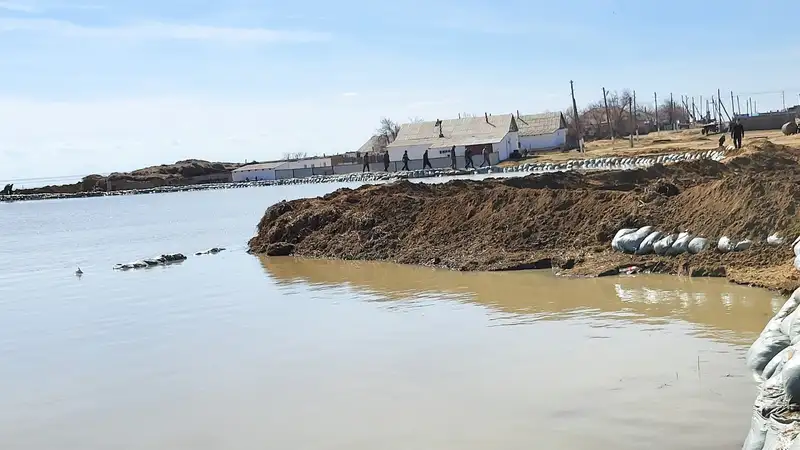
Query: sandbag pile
point(796, 250)
point(774, 359)
point(646, 240)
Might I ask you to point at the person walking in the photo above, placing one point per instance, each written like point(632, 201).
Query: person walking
point(737, 133)
point(486, 160)
point(365, 168)
point(386, 161)
point(468, 158)
point(453, 157)
point(405, 160)
point(426, 162)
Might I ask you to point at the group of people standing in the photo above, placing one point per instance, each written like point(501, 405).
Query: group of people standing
point(426, 161)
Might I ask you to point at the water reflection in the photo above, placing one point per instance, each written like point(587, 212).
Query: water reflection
point(718, 309)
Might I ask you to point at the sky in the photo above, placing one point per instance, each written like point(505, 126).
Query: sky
point(95, 86)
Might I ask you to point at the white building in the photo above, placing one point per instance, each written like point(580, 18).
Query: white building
point(438, 137)
point(257, 172)
point(546, 131)
point(308, 163)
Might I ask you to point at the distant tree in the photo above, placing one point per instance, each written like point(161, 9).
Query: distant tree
point(295, 155)
point(415, 119)
point(389, 129)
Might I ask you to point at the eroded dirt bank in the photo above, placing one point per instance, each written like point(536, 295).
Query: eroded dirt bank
point(564, 220)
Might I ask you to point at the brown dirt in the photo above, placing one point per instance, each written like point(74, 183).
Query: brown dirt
point(565, 220)
point(186, 172)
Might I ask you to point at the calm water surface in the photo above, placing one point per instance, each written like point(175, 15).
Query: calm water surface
point(232, 351)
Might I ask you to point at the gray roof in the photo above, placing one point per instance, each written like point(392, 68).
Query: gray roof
point(465, 131)
point(262, 166)
point(537, 124)
point(374, 143)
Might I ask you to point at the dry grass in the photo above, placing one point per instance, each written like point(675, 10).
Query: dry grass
point(654, 143)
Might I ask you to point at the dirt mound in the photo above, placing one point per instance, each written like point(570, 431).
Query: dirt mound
point(563, 219)
point(185, 172)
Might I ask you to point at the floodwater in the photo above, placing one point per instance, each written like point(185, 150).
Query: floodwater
point(232, 351)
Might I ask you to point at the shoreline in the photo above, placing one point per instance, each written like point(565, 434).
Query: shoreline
point(562, 220)
point(583, 165)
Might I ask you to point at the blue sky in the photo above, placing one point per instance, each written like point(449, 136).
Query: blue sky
point(98, 85)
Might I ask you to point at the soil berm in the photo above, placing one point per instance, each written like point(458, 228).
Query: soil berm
point(561, 220)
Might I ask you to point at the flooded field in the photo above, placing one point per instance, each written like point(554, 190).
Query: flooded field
point(232, 351)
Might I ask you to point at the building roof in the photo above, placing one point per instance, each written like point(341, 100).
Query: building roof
point(262, 166)
point(464, 131)
point(376, 142)
point(538, 124)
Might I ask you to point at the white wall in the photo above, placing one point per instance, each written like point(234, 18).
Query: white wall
point(504, 148)
point(414, 152)
point(545, 141)
point(307, 163)
point(252, 174)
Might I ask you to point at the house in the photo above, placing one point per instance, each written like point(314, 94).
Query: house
point(438, 137)
point(308, 163)
point(546, 131)
point(257, 172)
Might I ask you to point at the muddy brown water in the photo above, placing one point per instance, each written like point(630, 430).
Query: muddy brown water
point(511, 360)
point(235, 352)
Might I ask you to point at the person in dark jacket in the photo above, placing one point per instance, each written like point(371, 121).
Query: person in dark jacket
point(486, 161)
point(737, 133)
point(453, 157)
point(426, 162)
point(468, 158)
point(405, 160)
point(365, 167)
point(386, 162)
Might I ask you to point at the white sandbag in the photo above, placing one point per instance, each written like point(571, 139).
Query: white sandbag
point(698, 245)
point(725, 245)
point(743, 245)
point(757, 434)
point(791, 380)
point(776, 364)
point(629, 242)
point(620, 233)
point(789, 306)
point(775, 240)
point(790, 325)
point(766, 347)
point(662, 245)
point(797, 262)
point(646, 247)
point(681, 244)
point(796, 247)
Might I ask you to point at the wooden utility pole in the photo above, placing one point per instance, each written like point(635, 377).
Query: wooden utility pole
point(738, 105)
point(636, 118)
point(733, 106)
point(633, 119)
point(671, 112)
point(702, 114)
point(655, 103)
point(783, 99)
point(719, 106)
point(608, 116)
point(577, 119)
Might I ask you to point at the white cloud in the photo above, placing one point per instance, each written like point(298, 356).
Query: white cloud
point(160, 31)
point(25, 7)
